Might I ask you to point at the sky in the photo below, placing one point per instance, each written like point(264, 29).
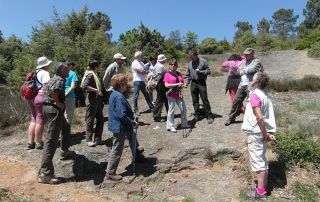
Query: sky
point(206, 18)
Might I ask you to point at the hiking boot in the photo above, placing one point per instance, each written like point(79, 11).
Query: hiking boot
point(99, 142)
point(65, 154)
point(48, 179)
point(114, 177)
point(39, 145)
point(137, 113)
point(91, 144)
point(255, 195)
point(31, 145)
point(161, 120)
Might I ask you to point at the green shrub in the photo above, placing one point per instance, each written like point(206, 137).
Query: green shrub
point(292, 149)
point(307, 83)
point(314, 51)
point(304, 192)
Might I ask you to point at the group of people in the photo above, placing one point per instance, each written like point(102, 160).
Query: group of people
point(55, 104)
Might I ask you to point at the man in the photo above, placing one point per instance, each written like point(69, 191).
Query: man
point(53, 108)
point(71, 83)
point(113, 69)
point(246, 70)
point(158, 74)
point(139, 71)
point(198, 70)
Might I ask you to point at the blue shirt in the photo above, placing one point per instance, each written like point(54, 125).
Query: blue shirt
point(120, 114)
point(71, 78)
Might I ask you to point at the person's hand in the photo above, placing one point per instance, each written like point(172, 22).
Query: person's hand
point(136, 124)
point(243, 72)
point(269, 137)
point(97, 93)
point(185, 86)
point(198, 71)
point(60, 105)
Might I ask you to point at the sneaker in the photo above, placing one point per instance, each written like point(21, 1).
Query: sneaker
point(210, 120)
point(65, 154)
point(47, 179)
point(99, 142)
point(137, 113)
point(255, 195)
point(228, 122)
point(91, 144)
point(31, 145)
point(113, 177)
point(172, 129)
point(39, 145)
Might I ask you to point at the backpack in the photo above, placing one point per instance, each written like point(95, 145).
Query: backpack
point(29, 88)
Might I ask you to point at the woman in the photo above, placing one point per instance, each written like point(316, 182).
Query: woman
point(121, 123)
point(234, 61)
point(149, 66)
point(91, 84)
point(38, 120)
point(174, 81)
point(259, 124)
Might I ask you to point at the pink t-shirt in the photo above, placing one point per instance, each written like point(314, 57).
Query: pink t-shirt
point(255, 101)
point(168, 78)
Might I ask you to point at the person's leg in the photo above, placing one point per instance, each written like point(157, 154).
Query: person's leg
point(204, 97)
point(40, 121)
point(99, 124)
point(92, 107)
point(117, 149)
point(262, 182)
point(69, 109)
point(150, 95)
point(195, 97)
point(161, 99)
point(170, 116)
point(135, 95)
point(55, 118)
point(238, 99)
point(32, 126)
point(232, 92)
point(65, 135)
point(145, 94)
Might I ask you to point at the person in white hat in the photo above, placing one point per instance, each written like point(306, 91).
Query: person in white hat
point(113, 69)
point(36, 127)
point(139, 72)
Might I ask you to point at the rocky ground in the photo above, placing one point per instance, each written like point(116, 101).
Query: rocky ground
point(177, 167)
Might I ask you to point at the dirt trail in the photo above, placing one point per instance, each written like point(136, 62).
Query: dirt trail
point(188, 172)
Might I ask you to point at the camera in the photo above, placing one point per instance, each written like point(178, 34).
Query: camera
point(169, 91)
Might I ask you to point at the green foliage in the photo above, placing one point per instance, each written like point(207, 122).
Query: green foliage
point(314, 51)
point(308, 83)
point(188, 199)
point(175, 39)
point(311, 13)
point(5, 195)
point(170, 51)
point(305, 192)
point(190, 40)
point(309, 40)
point(210, 46)
point(242, 28)
point(248, 39)
point(263, 26)
point(282, 23)
point(225, 44)
point(291, 149)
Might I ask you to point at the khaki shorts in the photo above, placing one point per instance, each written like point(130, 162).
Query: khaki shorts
point(257, 150)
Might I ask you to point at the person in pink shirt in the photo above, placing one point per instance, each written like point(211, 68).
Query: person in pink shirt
point(233, 62)
point(174, 81)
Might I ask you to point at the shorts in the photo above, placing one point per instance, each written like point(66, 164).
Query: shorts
point(36, 105)
point(257, 148)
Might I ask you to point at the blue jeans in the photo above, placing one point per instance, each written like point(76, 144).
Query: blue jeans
point(140, 85)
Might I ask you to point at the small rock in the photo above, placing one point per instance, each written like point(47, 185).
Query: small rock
point(172, 181)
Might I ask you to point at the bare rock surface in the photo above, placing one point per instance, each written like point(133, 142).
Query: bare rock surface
point(177, 167)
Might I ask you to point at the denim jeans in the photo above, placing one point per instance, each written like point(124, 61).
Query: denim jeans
point(140, 86)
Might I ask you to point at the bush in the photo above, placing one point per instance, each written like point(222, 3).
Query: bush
point(308, 83)
point(304, 192)
point(314, 51)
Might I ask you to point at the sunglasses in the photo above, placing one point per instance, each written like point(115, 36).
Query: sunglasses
point(173, 65)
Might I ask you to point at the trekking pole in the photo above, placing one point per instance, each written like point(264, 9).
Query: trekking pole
point(134, 146)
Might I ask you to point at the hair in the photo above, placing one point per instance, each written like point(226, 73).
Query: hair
point(193, 52)
point(59, 67)
point(153, 57)
point(117, 80)
point(70, 62)
point(93, 64)
point(234, 57)
point(262, 80)
point(137, 54)
point(174, 61)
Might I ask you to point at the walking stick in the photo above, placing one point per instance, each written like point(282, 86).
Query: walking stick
point(134, 146)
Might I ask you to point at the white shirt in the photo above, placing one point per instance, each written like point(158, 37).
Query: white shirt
point(137, 65)
point(43, 77)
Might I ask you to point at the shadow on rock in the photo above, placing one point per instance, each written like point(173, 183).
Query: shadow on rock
point(146, 168)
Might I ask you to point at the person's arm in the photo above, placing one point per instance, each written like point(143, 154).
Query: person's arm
point(188, 77)
point(206, 70)
point(121, 112)
point(267, 136)
point(107, 76)
point(87, 87)
point(137, 67)
point(73, 86)
point(55, 97)
point(227, 64)
point(255, 66)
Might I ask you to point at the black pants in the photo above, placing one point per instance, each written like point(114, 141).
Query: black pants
point(200, 88)
point(56, 123)
point(161, 99)
point(94, 111)
point(238, 99)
